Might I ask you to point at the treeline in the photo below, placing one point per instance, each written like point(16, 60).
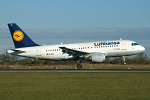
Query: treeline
point(7, 59)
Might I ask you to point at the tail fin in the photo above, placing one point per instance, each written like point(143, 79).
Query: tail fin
point(19, 37)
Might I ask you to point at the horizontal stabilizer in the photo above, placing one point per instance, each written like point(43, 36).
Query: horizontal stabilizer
point(13, 51)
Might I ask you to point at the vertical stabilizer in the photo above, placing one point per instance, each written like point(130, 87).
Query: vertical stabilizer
point(19, 37)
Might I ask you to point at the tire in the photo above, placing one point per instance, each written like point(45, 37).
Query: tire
point(79, 66)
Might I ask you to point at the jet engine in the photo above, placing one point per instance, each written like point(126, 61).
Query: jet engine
point(98, 57)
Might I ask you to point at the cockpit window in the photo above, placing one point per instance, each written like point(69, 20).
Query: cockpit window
point(134, 44)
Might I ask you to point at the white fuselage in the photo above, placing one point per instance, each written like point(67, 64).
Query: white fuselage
point(109, 48)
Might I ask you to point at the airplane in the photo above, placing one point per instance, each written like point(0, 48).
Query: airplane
point(90, 51)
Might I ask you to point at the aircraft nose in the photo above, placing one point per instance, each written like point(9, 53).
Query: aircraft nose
point(142, 48)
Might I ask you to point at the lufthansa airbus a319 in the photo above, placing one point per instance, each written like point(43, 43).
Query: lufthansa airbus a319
point(93, 51)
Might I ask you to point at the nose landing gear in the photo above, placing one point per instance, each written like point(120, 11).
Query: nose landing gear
point(124, 60)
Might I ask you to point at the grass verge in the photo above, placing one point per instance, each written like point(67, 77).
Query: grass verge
point(74, 86)
point(85, 66)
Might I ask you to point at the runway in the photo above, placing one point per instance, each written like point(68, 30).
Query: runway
point(72, 70)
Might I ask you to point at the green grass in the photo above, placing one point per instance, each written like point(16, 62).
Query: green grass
point(74, 86)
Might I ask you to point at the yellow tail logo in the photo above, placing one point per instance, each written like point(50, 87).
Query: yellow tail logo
point(18, 35)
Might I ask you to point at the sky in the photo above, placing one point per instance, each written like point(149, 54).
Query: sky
point(55, 21)
point(76, 13)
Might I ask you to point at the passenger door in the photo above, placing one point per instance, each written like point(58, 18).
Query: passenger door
point(38, 51)
point(124, 46)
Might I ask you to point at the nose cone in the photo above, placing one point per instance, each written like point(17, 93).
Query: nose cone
point(142, 49)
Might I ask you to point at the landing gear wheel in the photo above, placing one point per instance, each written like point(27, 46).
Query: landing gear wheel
point(79, 66)
point(124, 60)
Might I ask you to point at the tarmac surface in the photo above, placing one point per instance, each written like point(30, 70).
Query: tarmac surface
point(72, 70)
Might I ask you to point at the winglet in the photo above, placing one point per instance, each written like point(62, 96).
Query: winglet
point(19, 37)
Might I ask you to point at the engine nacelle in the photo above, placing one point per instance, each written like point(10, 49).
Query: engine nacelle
point(98, 57)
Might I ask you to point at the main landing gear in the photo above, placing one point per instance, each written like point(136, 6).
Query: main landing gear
point(79, 65)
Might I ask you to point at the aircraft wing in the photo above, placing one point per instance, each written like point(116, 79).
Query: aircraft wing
point(74, 53)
